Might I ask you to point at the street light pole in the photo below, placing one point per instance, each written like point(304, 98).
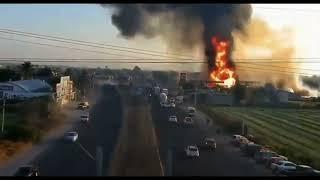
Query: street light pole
point(195, 97)
point(243, 127)
point(3, 111)
point(99, 160)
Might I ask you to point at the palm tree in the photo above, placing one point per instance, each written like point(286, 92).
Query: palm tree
point(26, 69)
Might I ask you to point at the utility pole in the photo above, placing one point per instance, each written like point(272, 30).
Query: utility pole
point(3, 111)
point(84, 94)
point(243, 127)
point(195, 97)
point(169, 163)
point(99, 160)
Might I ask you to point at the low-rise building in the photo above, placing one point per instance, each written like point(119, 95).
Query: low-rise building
point(25, 89)
point(217, 98)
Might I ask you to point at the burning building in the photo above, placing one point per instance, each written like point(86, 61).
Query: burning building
point(185, 27)
point(222, 73)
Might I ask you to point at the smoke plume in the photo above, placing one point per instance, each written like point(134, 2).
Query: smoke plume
point(182, 26)
point(263, 43)
point(312, 82)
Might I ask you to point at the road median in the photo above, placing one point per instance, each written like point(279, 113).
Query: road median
point(136, 153)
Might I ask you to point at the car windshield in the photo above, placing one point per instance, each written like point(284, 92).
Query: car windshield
point(209, 140)
point(72, 134)
point(135, 84)
point(24, 170)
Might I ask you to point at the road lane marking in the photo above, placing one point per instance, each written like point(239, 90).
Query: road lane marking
point(87, 152)
point(157, 148)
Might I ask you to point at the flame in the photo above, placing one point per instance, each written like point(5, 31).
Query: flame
point(222, 73)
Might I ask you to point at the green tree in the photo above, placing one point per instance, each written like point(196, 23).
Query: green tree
point(46, 71)
point(8, 74)
point(161, 76)
point(26, 69)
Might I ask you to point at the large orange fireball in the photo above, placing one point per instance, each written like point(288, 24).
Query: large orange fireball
point(222, 74)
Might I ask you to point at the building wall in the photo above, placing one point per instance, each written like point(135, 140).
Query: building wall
point(219, 99)
point(13, 91)
point(65, 91)
point(283, 96)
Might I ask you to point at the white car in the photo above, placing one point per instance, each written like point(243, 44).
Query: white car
point(173, 119)
point(172, 100)
point(188, 120)
point(192, 151)
point(71, 136)
point(283, 165)
point(191, 110)
point(167, 105)
point(84, 118)
point(172, 105)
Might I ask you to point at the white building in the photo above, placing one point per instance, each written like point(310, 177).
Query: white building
point(64, 90)
point(25, 89)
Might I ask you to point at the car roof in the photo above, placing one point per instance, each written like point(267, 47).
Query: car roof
point(173, 116)
point(72, 132)
point(286, 162)
point(237, 135)
point(304, 166)
point(26, 166)
point(209, 139)
point(192, 146)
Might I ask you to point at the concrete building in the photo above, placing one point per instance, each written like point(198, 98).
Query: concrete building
point(25, 89)
point(217, 98)
point(282, 96)
point(64, 90)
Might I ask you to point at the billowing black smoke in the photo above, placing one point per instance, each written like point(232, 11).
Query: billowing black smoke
point(182, 25)
point(313, 82)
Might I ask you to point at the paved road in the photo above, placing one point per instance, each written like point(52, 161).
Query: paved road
point(225, 161)
point(78, 159)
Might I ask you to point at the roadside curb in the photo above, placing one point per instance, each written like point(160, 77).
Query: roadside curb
point(155, 139)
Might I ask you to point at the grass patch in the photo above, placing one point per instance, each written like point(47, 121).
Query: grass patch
point(291, 132)
point(26, 123)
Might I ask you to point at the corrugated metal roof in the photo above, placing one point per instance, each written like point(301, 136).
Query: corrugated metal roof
point(34, 85)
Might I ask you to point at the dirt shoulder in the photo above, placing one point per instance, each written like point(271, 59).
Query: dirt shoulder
point(27, 151)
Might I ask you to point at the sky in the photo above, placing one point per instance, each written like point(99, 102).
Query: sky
point(91, 22)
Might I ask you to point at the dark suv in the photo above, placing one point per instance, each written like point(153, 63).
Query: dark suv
point(208, 144)
point(301, 170)
point(27, 171)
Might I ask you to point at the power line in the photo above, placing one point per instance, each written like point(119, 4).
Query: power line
point(156, 62)
point(289, 9)
point(272, 70)
point(98, 45)
point(73, 60)
point(117, 62)
point(79, 49)
point(86, 43)
point(268, 65)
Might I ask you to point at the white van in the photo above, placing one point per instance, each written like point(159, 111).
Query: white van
point(191, 111)
point(179, 100)
point(165, 91)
